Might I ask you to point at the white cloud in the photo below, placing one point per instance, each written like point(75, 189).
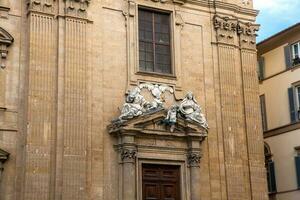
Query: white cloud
point(276, 6)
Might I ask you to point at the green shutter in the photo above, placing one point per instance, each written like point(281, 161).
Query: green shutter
point(261, 65)
point(272, 178)
point(293, 113)
point(288, 57)
point(297, 161)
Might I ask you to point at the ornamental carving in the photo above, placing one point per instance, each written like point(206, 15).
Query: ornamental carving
point(248, 33)
point(136, 105)
point(41, 5)
point(128, 154)
point(229, 28)
point(5, 41)
point(194, 159)
point(226, 28)
point(76, 8)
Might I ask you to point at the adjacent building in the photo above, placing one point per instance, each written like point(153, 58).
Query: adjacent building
point(279, 73)
point(130, 100)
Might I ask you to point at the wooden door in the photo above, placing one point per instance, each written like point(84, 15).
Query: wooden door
point(160, 182)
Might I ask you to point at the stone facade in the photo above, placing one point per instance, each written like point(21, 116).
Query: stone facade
point(65, 68)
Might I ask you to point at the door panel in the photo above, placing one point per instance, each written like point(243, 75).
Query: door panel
point(160, 182)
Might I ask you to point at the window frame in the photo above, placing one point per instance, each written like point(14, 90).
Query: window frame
point(263, 107)
point(293, 55)
point(297, 99)
point(171, 43)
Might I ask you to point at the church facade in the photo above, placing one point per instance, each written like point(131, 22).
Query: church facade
point(130, 100)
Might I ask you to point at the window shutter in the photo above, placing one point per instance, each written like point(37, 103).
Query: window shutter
point(292, 104)
point(272, 178)
point(261, 64)
point(297, 161)
point(288, 57)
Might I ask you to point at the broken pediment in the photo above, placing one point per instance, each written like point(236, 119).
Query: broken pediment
point(5, 37)
point(3, 156)
point(156, 124)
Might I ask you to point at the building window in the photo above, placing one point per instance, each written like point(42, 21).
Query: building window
point(263, 112)
point(261, 68)
point(270, 168)
point(297, 90)
point(297, 163)
point(295, 53)
point(294, 101)
point(154, 42)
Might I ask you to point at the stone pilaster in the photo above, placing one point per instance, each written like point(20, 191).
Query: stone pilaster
point(73, 100)
point(247, 40)
point(193, 161)
point(41, 94)
point(128, 153)
point(235, 149)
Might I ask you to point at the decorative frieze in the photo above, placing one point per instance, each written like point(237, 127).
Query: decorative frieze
point(76, 8)
point(46, 6)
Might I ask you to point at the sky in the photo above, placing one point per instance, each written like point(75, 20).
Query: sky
point(276, 15)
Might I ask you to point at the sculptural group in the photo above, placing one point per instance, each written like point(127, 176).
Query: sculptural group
point(136, 105)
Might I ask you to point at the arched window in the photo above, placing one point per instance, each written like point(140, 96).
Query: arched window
point(270, 166)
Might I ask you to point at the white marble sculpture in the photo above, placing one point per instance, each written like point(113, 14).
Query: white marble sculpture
point(135, 105)
point(156, 91)
point(190, 110)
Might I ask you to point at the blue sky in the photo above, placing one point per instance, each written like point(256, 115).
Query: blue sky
point(276, 15)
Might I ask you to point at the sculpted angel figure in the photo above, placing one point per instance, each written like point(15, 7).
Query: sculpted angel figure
point(134, 106)
point(190, 110)
point(171, 117)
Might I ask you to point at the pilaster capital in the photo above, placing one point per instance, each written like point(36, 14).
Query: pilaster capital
point(194, 158)
point(128, 154)
point(77, 8)
point(47, 6)
point(231, 30)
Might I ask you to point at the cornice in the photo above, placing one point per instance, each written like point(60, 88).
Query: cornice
point(223, 5)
